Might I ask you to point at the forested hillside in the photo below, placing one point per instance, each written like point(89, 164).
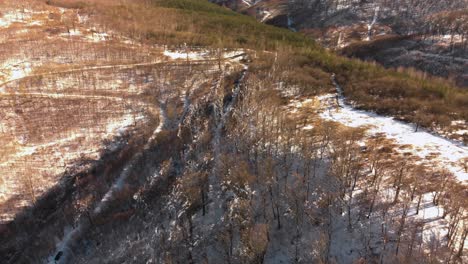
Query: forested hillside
point(430, 36)
point(179, 131)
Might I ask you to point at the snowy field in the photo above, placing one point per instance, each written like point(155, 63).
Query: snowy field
point(198, 55)
point(432, 149)
point(422, 142)
point(115, 67)
point(42, 158)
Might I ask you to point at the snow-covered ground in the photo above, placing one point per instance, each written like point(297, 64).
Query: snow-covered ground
point(447, 40)
point(185, 55)
point(249, 3)
point(47, 160)
point(266, 15)
point(201, 54)
point(58, 153)
point(422, 142)
point(51, 157)
point(431, 214)
point(14, 70)
point(17, 16)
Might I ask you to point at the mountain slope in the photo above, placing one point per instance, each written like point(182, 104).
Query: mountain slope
point(244, 152)
point(427, 35)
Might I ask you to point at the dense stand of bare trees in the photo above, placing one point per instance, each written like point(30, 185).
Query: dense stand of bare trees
point(230, 176)
point(280, 182)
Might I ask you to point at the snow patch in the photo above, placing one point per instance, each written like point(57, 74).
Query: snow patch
point(72, 33)
point(203, 54)
point(11, 17)
point(423, 142)
point(13, 70)
point(175, 55)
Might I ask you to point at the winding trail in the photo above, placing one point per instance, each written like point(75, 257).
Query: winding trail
point(66, 96)
point(121, 67)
